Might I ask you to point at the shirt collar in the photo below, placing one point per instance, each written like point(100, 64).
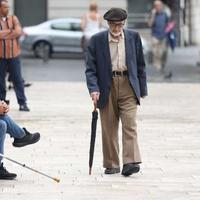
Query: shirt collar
point(111, 39)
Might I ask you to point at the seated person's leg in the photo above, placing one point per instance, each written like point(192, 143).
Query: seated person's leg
point(21, 136)
point(3, 128)
point(12, 128)
point(4, 174)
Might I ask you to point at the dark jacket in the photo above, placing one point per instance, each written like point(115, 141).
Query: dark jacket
point(99, 68)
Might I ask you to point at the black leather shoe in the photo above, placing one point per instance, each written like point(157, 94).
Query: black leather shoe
point(112, 170)
point(29, 138)
point(24, 107)
point(5, 175)
point(129, 169)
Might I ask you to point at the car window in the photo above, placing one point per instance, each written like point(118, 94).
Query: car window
point(75, 26)
point(63, 26)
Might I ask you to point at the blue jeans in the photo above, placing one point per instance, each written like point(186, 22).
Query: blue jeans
point(13, 66)
point(7, 125)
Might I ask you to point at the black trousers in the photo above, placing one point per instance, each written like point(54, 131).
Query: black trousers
point(13, 66)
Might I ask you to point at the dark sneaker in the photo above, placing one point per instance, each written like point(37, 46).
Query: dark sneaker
point(5, 175)
point(29, 138)
point(129, 169)
point(24, 107)
point(168, 76)
point(27, 84)
point(112, 170)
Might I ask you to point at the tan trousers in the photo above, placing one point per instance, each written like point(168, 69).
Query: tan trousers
point(122, 105)
point(159, 48)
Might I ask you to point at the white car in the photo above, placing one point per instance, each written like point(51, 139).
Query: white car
point(57, 35)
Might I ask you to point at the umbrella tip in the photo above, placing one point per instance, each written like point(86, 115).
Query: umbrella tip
point(90, 171)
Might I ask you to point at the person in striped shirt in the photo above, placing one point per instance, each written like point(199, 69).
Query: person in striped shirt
point(10, 31)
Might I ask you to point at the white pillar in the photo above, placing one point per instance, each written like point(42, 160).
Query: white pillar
point(11, 3)
point(195, 21)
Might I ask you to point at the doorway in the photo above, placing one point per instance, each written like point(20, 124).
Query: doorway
point(31, 12)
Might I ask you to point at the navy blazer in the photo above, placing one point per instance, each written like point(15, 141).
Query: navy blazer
point(99, 68)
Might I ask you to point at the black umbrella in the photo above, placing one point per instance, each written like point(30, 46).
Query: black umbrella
point(93, 137)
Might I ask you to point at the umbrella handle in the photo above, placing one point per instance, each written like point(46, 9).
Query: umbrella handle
point(95, 107)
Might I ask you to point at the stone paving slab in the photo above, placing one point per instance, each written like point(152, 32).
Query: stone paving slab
point(168, 125)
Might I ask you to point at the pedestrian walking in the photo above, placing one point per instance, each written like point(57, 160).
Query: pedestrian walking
point(91, 23)
point(21, 136)
point(10, 84)
point(116, 79)
point(158, 22)
point(10, 31)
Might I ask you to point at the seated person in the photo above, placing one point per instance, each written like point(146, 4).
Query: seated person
point(21, 137)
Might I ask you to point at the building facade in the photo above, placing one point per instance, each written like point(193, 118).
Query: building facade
point(76, 8)
point(185, 13)
point(57, 8)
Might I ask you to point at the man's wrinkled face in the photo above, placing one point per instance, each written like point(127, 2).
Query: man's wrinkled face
point(4, 8)
point(116, 27)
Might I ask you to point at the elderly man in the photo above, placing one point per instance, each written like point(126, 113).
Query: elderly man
point(116, 79)
point(21, 137)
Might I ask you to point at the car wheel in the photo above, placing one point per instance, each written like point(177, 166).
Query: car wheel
point(42, 50)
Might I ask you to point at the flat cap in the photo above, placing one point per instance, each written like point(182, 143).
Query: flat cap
point(115, 14)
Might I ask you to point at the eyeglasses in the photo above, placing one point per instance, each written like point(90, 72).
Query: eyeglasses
point(114, 24)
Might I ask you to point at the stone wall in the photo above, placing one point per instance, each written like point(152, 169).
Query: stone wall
point(76, 8)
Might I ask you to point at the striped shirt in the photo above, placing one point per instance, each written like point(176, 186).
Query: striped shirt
point(10, 31)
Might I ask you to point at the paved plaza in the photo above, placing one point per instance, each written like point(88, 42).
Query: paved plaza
point(169, 138)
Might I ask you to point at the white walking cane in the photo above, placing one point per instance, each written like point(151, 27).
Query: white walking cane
point(23, 165)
